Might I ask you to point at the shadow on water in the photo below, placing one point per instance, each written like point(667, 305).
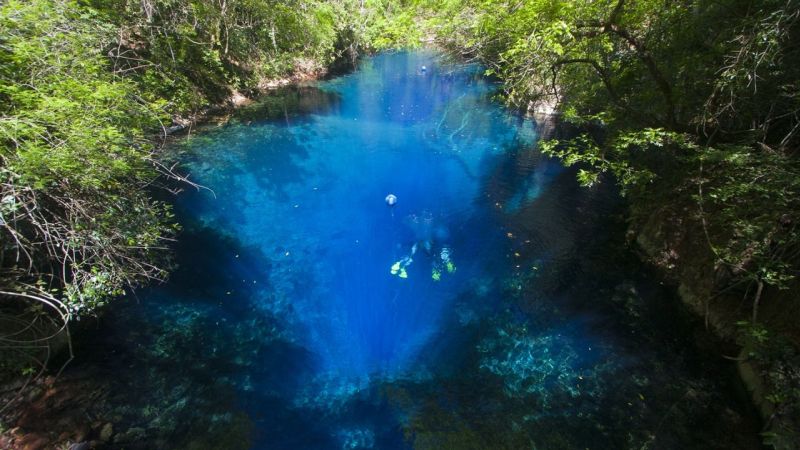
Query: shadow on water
point(289, 104)
point(257, 140)
point(176, 360)
point(583, 348)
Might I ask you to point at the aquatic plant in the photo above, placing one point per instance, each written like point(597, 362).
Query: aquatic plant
point(543, 365)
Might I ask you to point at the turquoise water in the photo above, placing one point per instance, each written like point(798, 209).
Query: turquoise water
point(516, 317)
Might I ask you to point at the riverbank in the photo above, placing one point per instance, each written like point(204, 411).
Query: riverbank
point(765, 354)
point(670, 239)
point(304, 70)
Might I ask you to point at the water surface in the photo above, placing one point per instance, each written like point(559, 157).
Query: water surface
point(521, 320)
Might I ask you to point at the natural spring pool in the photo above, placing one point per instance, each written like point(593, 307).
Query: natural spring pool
point(517, 316)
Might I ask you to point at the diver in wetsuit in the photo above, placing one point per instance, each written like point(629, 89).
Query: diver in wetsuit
point(399, 268)
point(426, 233)
point(442, 263)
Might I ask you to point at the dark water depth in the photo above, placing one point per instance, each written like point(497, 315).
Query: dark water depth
point(496, 305)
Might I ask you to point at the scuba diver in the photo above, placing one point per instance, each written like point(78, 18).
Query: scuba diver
point(426, 234)
point(399, 268)
point(442, 263)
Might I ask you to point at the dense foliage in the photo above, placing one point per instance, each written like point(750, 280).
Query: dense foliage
point(191, 52)
point(78, 225)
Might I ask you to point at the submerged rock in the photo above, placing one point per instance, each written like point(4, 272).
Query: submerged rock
point(131, 435)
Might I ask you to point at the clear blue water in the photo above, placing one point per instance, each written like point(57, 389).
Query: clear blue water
point(307, 194)
point(284, 327)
